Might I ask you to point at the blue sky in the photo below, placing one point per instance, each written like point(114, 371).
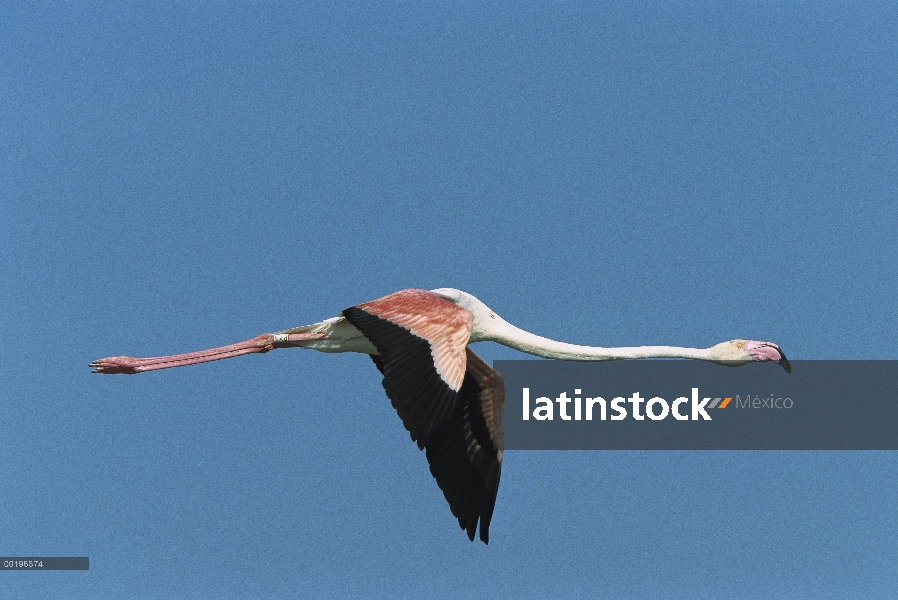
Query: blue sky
point(175, 178)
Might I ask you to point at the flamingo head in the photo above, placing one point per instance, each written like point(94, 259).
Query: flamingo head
point(740, 352)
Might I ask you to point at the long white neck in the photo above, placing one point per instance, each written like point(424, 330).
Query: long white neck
point(508, 335)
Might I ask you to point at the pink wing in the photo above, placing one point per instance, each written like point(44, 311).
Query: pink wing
point(448, 398)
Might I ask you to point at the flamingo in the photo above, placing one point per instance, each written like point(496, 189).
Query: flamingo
point(449, 399)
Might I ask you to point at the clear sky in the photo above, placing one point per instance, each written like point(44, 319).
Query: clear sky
point(174, 178)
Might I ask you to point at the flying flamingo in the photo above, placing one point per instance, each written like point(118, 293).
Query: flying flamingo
point(448, 398)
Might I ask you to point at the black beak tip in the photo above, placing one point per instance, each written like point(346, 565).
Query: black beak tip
point(784, 362)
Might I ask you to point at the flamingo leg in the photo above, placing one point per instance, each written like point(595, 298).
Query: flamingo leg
point(259, 344)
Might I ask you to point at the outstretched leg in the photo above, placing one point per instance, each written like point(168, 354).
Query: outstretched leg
point(262, 343)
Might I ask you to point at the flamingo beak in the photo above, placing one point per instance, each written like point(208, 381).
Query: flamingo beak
point(783, 361)
point(768, 351)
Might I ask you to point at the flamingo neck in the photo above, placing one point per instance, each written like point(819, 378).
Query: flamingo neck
point(513, 337)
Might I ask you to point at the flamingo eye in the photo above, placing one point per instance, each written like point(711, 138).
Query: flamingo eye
point(739, 344)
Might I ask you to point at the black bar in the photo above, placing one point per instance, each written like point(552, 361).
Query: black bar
point(44, 563)
point(821, 405)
